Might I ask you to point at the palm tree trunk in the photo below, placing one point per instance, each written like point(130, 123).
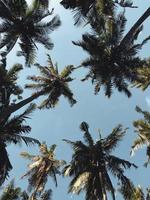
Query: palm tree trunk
point(129, 36)
point(13, 108)
point(103, 186)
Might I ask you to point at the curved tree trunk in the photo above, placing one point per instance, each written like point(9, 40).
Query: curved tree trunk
point(129, 36)
point(13, 108)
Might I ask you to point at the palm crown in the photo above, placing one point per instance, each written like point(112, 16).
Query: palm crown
point(91, 162)
point(111, 65)
point(19, 21)
point(53, 84)
point(44, 165)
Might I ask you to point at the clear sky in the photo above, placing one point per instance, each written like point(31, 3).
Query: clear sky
point(100, 112)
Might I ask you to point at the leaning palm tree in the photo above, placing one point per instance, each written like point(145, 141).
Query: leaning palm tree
point(91, 163)
point(13, 130)
point(109, 65)
point(25, 23)
point(142, 127)
point(44, 165)
point(50, 83)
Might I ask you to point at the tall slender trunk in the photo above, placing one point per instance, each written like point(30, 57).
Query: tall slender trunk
point(129, 36)
point(13, 108)
point(103, 186)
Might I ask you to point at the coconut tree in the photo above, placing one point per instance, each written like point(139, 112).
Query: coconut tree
point(50, 83)
point(142, 127)
point(13, 130)
point(44, 165)
point(91, 163)
point(25, 24)
point(109, 65)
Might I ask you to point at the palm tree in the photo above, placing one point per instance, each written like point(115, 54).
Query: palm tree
point(13, 130)
point(44, 165)
point(50, 83)
point(91, 163)
point(142, 127)
point(53, 84)
point(25, 23)
point(109, 65)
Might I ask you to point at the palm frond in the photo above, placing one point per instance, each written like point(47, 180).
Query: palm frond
point(87, 136)
point(138, 143)
point(114, 138)
point(27, 155)
point(79, 182)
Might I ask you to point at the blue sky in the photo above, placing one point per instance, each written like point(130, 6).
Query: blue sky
point(100, 112)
